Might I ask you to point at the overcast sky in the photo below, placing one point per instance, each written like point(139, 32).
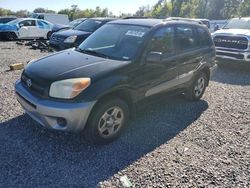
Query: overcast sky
point(115, 6)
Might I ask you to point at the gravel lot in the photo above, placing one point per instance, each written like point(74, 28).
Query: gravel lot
point(172, 143)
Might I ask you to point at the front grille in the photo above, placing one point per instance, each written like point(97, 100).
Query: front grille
point(231, 42)
point(33, 85)
point(237, 56)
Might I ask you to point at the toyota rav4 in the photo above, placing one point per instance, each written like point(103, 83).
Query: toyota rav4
point(96, 86)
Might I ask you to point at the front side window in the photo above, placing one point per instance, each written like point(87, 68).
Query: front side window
point(88, 25)
point(185, 37)
point(27, 23)
point(115, 41)
point(163, 41)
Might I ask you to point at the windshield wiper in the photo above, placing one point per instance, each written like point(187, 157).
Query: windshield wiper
point(92, 52)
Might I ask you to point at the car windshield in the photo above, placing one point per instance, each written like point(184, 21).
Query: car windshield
point(115, 41)
point(75, 23)
point(238, 23)
point(88, 25)
point(13, 22)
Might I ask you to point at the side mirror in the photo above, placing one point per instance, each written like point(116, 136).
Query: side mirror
point(21, 25)
point(155, 57)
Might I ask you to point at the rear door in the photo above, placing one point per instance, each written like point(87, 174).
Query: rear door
point(161, 76)
point(42, 28)
point(189, 52)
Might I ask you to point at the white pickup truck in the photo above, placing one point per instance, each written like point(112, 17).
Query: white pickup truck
point(232, 42)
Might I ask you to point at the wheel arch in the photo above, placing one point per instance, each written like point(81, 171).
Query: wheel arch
point(206, 70)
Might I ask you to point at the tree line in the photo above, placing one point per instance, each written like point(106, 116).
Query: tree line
point(211, 9)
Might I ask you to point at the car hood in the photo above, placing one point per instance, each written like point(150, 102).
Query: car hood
point(232, 32)
point(8, 27)
point(70, 64)
point(57, 27)
point(72, 32)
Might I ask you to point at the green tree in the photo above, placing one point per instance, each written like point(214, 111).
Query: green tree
point(5, 12)
point(22, 13)
point(244, 8)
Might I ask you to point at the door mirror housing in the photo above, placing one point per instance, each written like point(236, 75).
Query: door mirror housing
point(21, 25)
point(155, 57)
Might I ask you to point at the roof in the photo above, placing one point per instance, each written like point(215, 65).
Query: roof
point(150, 22)
point(103, 18)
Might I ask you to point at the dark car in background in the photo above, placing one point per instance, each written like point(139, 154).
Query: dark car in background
point(6, 19)
point(74, 23)
point(74, 37)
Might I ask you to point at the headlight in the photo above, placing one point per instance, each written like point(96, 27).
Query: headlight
point(68, 89)
point(70, 39)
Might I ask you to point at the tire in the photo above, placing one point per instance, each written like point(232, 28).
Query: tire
point(11, 36)
point(49, 35)
point(197, 88)
point(103, 124)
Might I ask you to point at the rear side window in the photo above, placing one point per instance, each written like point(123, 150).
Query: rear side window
point(163, 41)
point(43, 25)
point(185, 37)
point(203, 38)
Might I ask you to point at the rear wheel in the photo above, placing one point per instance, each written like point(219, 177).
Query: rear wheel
point(198, 87)
point(107, 121)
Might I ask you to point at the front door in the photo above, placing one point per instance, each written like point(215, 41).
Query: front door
point(27, 29)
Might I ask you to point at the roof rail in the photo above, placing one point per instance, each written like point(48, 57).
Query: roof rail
point(136, 17)
point(183, 19)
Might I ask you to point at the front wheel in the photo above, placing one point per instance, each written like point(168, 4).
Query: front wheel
point(107, 121)
point(198, 87)
point(49, 35)
point(11, 36)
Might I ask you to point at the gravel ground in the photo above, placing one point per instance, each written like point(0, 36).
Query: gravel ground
point(174, 143)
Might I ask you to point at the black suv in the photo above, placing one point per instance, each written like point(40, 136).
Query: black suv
point(99, 83)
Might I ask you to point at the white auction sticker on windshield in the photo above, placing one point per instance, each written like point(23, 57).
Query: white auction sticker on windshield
point(135, 33)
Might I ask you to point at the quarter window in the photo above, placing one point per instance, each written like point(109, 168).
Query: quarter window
point(163, 41)
point(184, 37)
point(203, 38)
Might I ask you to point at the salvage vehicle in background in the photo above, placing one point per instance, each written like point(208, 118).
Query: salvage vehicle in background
point(204, 21)
point(52, 18)
point(74, 23)
point(7, 19)
point(232, 42)
point(74, 37)
point(25, 28)
point(96, 86)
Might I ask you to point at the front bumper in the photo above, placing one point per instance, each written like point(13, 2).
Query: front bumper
point(50, 113)
point(60, 45)
point(235, 55)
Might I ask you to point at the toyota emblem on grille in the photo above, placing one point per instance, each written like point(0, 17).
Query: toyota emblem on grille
point(29, 83)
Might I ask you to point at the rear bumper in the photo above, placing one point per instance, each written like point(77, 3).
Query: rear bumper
point(213, 69)
point(51, 113)
point(235, 55)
